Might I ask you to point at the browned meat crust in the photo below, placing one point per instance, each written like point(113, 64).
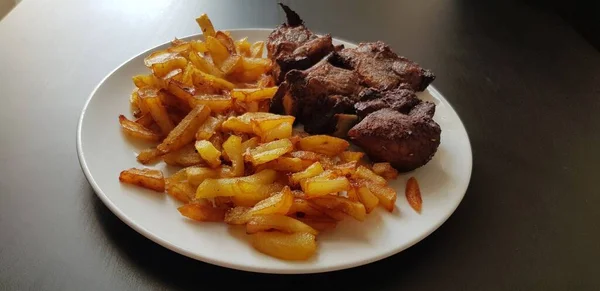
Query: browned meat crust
point(379, 67)
point(292, 46)
point(406, 141)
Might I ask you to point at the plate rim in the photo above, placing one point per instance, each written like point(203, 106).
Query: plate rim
point(258, 269)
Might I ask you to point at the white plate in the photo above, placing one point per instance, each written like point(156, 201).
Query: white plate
point(104, 152)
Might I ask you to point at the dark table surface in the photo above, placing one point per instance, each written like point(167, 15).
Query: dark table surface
point(525, 84)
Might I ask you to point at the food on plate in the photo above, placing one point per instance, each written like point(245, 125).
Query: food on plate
point(292, 46)
point(413, 194)
point(205, 105)
point(339, 93)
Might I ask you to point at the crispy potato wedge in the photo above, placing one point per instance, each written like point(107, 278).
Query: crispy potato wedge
point(250, 144)
point(146, 178)
point(385, 194)
point(151, 100)
point(217, 103)
point(352, 208)
point(279, 203)
point(145, 120)
point(367, 198)
point(278, 222)
point(286, 246)
point(185, 131)
point(287, 164)
point(320, 223)
point(301, 208)
point(233, 148)
point(217, 50)
point(271, 127)
point(165, 69)
point(136, 130)
point(323, 144)
point(306, 155)
point(142, 81)
point(196, 175)
point(198, 46)
point(243, 123)
point(204, 65)
point(231, 187)
point(181, 191)
point(323, 185)
point(209, 153)
point(242, 47)
point(206, 25)
point(148, 156)
point(351, 156)
point(256, 50)
point(254, 193)
point(159, 57)
point(183, 157)
point(253, 94)
point(363, 172)
point(231, 65)
point(313, 170)
point(202, 212)
point(182, 91)
point(346, 168)
point(413, 194)
point(226, 41)
point(385, 170)
point(269, 151)
point(283, 130)
point(201, 78)
point(209, 127)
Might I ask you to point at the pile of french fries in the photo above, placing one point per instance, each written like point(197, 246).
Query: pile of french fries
point(206, 106)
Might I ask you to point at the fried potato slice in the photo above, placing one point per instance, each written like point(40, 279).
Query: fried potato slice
point(231, 187)
point(209, 127)
point(367, 198)
point(226, 41)
point(201, 78)
point(348, 156)
point(148, 156)
point(198, 46)
point(150, 98)
point(287, 164)
point(196, 175)
point(352, 208)
point(149, 80)
point(250, 144)
point(413, 194)
point(233, 148)
point(146, 178)
point(363, 172)
point(254, 193)
point(208, 152)
point(243, 123)
point(386, 195)
point(204, 65)
point(159, 57)
point(256, 50)
point(242, 47)
point(253, 94)
point(279, 203)
point(385, 170)
point(301, 208)
point(313, 170)
point(184, 133)
point(206, 25)
point(320, 223)
point(277, 222)
point(202, 212)
point(165, 69)
point(136, 130)
point(295, 246)
point(182, 91)
point(323, 144)
point(181, 191)
point(323, 185)
point(269, 151)
point(348, 168)
point(217, 50)
point(272, 127)
point(217, 103)
point(183, 157)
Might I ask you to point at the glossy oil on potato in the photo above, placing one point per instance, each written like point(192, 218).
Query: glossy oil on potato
point(285, 246)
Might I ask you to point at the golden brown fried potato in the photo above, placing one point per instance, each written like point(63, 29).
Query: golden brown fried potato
point(363, 172)
point(269, 151)
point(242, 47)
point(256, 50)
point(385, 170)
point(287, 164)
point(136, 130)
point(345, 169)
point(196, 175)
point(250, 144)
point(254, 193)
point(226, 41)
point(204, 65)
point(217, 50)
point(146, 178)
point(185, 131)
point(149, 80)
point(323, 144)
point(150, 98)
point(277, 222)
point(198, 46)
point(313, 170)
point(209, 153)
point(181, 191)
point(145, 120)
point(352, 208)
point(183, 157)
point(165, 69)
point(367, 198)
point(351, 156)
point(206, 25)
point(202, 212)
point(217, 103)
point(285, 246)
point(323, 185)
point(413, 194)
point(201, 78)
point(231, 65)
point(272, 127)
point(148, 156)
point(320, 223)
point(301, 208)
point(279, 203)
point(182, 91)
point(232, 187)
point(253, 94)
point(209, 127)
point(233, 148)
point(385, 194)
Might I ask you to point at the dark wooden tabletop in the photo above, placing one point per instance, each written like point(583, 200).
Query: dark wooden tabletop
point(525, 84)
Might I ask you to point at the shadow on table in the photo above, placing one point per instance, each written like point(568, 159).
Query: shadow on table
point(174, 271)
